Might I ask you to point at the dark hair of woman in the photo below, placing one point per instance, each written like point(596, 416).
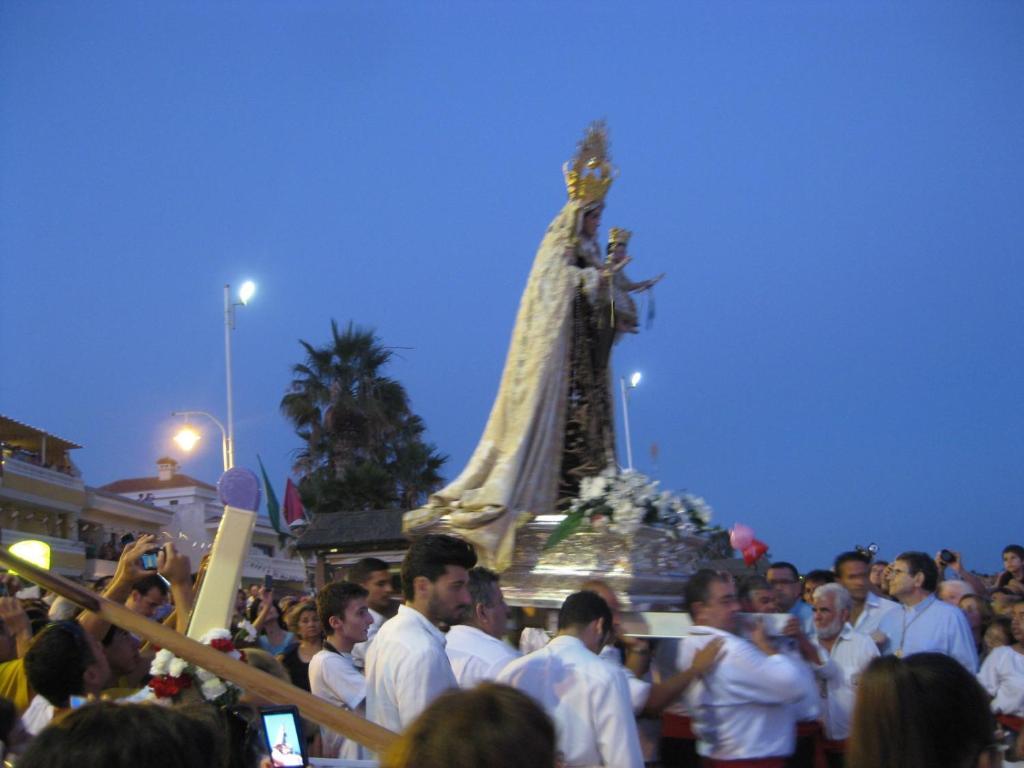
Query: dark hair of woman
point(924, 711)
point(491, 725)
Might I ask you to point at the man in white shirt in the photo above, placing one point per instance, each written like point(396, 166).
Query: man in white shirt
point(742, 708)
point(333, 675)
point(648, 698)
point(585, 696)
point(924, 623)
point(475, 648)
point(373, 575)
point(853, 572)
point(843, 653)
point(406, 666)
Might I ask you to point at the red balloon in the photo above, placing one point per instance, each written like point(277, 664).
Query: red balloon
point(754, 552)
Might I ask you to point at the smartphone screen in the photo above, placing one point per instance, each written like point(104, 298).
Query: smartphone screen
point(282, 730)
point(148, 561)
point(268, 581)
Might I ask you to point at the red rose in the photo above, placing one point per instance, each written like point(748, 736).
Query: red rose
point(166, 686)
point(222, 644)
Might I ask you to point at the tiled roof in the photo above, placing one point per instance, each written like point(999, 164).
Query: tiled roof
point(362, 529)
point(138, 484)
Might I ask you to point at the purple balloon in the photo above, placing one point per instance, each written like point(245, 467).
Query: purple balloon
point(239, 488)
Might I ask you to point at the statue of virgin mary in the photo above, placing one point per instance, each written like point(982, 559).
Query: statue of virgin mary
point(551, 423)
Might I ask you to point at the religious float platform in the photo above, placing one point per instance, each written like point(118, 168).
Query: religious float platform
point(647, 567)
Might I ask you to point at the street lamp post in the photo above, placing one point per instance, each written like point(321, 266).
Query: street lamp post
point(634, 379)
point(244, 294)
point(187, 437)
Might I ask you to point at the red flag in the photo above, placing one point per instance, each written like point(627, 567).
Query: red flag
point(293, 510)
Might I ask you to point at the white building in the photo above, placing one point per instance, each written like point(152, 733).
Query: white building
point(196, 515)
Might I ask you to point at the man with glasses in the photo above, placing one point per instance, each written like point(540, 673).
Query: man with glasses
point(743, 707)
point(923, 622)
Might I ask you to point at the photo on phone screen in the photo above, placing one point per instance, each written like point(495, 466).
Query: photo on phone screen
point(282, 730)
point(148, 560)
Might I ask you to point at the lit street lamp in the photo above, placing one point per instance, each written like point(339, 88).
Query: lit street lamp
point(634, 379)
point(245, 293)
point(187, 436)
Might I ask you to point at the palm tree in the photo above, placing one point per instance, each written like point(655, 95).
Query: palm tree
point(362, 446)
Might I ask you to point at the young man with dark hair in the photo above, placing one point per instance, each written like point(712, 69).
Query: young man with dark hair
point(406, 666)
point(475, 647)
point(743, 708)
point(332, 674)
point(819, 577)
point(63, 661)
point(121, 648)
point(924, 623)
point(148, 595)
point(757, 596)
point(586, 696)
point(853, 573)
point(373, 575)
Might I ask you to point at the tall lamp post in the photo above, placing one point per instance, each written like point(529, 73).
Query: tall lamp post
point(244, 294)
point(188, 437)
point(634, 379)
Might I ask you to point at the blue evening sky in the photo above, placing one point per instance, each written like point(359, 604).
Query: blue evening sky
point(834, 189)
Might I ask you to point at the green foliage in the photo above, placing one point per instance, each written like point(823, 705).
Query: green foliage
point(573, 520)
point(362, 446)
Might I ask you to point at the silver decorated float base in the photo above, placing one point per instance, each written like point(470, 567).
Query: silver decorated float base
point(647, 568)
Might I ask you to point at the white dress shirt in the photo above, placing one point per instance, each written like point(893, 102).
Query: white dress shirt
point(931, 625)
point(875, 608)
point(586, 697)
point(359, 650)
point(639, 690)
point(38, 715)
point(333, 677)
point(406, 669)
point(742, 708)
point(808, 706)
point(839, 675)
point(1002, 674)
point(476, 656)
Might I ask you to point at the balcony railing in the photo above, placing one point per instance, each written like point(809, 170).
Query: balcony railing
point(39, 472)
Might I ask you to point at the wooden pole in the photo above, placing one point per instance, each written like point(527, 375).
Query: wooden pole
point(250, 679)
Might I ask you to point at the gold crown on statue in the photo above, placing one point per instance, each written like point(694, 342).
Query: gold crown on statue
point(617, 236)
point(590, 173)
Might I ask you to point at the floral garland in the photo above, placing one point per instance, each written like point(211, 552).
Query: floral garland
point(621, 502)
point(172, 675)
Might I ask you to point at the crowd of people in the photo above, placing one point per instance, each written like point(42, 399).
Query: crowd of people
point(914, 662)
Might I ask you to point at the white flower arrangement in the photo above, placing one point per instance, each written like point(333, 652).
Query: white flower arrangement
point(171, 675)
point(246, 632)
point(621, 502)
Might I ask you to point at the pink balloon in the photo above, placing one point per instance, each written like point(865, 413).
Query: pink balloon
point(741, 536)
